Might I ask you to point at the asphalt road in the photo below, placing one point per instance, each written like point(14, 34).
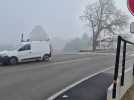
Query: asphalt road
point(39, 80)
point(95, 88)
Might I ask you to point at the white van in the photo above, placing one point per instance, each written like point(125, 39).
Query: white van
point(28, 51)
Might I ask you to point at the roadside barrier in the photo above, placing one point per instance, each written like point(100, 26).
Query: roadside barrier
point(122, 82)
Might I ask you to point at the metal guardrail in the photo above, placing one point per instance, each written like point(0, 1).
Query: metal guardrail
point(116, 70)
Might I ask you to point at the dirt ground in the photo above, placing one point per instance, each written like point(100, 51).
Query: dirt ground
point(129, 95)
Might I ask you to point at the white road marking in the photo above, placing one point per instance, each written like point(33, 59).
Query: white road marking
point(78, 82)
point(92, 53)
point(75, 84)
point(56, 63)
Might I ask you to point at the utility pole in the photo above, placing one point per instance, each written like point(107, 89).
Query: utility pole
point(22, 37)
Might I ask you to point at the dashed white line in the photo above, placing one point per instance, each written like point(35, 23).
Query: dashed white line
point(56, 63)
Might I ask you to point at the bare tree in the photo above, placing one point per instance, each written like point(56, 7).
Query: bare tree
point(104, 15)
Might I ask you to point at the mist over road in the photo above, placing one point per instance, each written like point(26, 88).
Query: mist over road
point(39, 80)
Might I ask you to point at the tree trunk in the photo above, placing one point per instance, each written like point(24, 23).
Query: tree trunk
point(94, 44)
point(94, 36)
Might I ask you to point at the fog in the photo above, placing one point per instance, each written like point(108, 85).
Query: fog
point(59, 18)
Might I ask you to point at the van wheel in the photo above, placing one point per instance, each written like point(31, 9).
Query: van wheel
point(13, 61)
point(46, 58)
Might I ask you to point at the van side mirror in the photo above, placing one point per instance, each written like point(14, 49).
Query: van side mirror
point(132, 27)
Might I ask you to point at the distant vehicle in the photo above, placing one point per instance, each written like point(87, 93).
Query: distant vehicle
point(28, 51)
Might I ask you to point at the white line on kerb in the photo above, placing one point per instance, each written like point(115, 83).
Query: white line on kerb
point(78, 82)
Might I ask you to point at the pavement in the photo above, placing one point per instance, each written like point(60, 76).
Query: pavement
point(40, 80)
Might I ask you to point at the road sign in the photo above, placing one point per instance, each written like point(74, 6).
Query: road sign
point(132, 27)
point(131, 6)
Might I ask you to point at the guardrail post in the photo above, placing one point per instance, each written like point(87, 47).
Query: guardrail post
point(133, 69)
point(123, 64)
point(116, 66)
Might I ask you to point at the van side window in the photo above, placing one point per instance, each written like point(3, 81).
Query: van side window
point(25, 47)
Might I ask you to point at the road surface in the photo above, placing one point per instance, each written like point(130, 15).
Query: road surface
point(39, 80)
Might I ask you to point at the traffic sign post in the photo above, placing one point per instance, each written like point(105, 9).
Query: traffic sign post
point(132, 27)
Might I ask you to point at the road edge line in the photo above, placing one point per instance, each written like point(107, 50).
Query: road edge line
point(76, 83)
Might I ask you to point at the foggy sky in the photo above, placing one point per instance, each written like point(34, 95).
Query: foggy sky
point(59, 18)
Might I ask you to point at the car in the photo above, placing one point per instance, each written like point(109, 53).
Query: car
point(28, 51)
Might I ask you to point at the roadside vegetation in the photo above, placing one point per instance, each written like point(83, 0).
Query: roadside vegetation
point(129, 95)
point(77, 44)
point(104, 17)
